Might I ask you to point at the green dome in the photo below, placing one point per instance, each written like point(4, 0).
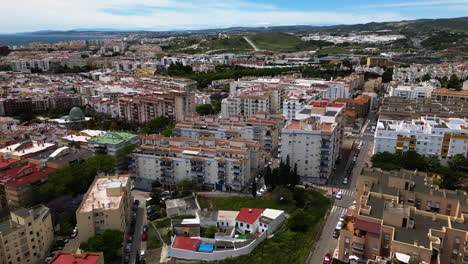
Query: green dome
point(76, 114)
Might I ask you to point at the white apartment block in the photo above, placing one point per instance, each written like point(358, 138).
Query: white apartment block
point(427, 136)
point(313, 143)
point(28, 65)
point(246, 105)
point(411, 91)
point(219, 164)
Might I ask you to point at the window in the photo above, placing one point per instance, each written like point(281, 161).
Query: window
point(248, 226)
point(241, 224)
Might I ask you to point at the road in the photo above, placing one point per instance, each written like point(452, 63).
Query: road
point(251, 44)
point(326, 243)
point(138, 245)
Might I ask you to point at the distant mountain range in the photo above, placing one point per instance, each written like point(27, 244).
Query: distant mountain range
point(407, 26)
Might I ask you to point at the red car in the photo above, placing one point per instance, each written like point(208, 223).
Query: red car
point(327, 259)
point(144, 236)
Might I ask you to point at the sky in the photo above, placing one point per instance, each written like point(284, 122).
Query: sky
point(33, 15)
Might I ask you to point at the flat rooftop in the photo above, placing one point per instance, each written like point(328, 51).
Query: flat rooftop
point(99, 197)
point(418, 234)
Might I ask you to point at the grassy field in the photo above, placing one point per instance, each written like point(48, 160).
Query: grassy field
point(333, 50)
point(153, 240)
point(287, 246)
point(277, 42)
point(232, 43)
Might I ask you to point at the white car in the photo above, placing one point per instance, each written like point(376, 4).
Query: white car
point(339, 225)
point(345, 181)
point(259, 194)
point(142, 254)
point(339, 195)
point(354, 202)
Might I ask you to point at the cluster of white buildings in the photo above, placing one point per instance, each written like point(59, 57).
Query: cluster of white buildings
point(417, 71)
point(282, 96)
point(442, 137)
point(355, 38)
point(240, 232)
point(421, 90)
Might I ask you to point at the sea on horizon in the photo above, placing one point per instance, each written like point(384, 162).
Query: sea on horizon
point(26, 39)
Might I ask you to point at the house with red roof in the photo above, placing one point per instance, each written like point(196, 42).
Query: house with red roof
point(15, 183)
point(247, 219)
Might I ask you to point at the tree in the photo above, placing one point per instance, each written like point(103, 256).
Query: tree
point(299, 221)
point(210, 232)
point(122, 158)
point(4, 51)
point(387, 76)
point(454, 82)
point(254, 187)
point(282, 194)
point(426, 77)
point(204, 109)
point(108, 242)
point(156, 125)
point(267, 176)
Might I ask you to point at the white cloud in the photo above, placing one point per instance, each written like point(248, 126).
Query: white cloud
point(30, 15)
point(420, 3)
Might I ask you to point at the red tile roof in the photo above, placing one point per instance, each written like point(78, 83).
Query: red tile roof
point(186, 243)
point(368, 226)
point(7, 162)
point(20, 176)
point(68, 258)
point(249, 215)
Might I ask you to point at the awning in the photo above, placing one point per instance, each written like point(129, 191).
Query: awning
point(402, 257)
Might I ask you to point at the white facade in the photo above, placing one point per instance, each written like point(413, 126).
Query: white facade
point(427, 136)
point(411, 92)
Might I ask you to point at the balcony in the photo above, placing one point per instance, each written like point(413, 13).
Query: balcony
point(358, 247)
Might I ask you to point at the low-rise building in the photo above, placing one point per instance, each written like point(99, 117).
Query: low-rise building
point(359, 105)
point(387, 223)
point(377, 61)
point(411, 91)
point(111, 142)
point(26, 236)
point(446, 95)
point(106, 205)
point(79, 257)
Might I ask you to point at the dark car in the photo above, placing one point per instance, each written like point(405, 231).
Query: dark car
point(136, 202)
point(145, 228)
point(336, 233)
point(127, 258)
point(152, 217)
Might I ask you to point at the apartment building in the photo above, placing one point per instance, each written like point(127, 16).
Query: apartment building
point(26, 236)
point(359, 105)
point(388, 222)
point(446, 95)
point(400, 108)
point(428, 136)
point(10, 106)
point(411, 91)
point(218, 164)
point(247, 105)
point(143, 108)
point(111, 142)
point(313, 143)
point(413, 188)
point(377, 62)
point(28, 65)
point(106, 205)
point(262, 127)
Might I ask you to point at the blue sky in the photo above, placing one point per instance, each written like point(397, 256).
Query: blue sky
point(30, 15)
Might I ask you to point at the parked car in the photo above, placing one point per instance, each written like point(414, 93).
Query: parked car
point(149, 201)
point(144, 236)
point(127, 258)
point(136, 202)
point(339, 195)
point(74, 233)
point(339, 225)
point(152, 217)
point(128, 248)
point(336, 233)
point(327, 259)
point(345, 181)
point(145, 228)
point(130, 239)
point(142, 254)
